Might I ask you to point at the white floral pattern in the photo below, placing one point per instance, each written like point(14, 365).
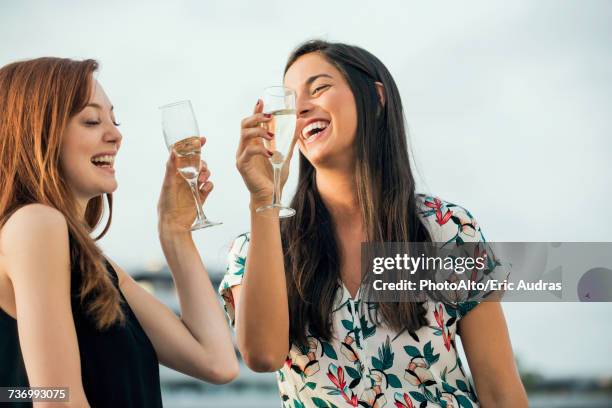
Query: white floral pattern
point(365, 365)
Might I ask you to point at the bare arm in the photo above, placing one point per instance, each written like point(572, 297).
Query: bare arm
point(262, 310)
point(35, 244)
point(198, 344)
point(486, 342)
point(261, 305)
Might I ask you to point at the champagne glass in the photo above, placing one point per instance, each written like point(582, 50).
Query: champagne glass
point(181, 134)
point(279, 102)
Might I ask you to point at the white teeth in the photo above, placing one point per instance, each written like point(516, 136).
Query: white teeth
point(307, 131)
point(103, 159)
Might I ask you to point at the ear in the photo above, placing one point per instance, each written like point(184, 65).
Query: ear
point(380, 89)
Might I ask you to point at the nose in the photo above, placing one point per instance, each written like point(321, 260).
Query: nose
point(303, 104)
point(112, 135)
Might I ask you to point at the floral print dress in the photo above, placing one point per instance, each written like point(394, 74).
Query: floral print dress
point(365, 365)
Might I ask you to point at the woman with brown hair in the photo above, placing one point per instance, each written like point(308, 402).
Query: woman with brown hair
point(70, 317)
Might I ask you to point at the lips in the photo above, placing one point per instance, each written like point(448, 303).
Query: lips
point(104, 161)
point(315, 129)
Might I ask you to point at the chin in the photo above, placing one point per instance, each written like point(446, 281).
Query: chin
point(106, 189)
point(320, 157)
point(111, 190)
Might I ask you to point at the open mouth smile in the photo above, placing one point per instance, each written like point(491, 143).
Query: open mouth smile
point(104, 162)
point(315, 130)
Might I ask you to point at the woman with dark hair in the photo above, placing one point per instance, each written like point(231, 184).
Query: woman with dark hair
point(70, 317)
point(292, 289)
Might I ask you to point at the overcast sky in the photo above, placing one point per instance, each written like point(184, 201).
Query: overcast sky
point(507, 105)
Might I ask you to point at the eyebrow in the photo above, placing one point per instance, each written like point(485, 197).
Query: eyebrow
point(315, 77)
point(95, 105)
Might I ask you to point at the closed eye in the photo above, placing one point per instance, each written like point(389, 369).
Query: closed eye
point(320, 88)
point(95, 123)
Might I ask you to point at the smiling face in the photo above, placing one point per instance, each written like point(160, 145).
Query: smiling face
point(326, 111)
point(89, 146)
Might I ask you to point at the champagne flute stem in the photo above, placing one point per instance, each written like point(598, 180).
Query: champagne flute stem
point(193, 186)
point(276, 193)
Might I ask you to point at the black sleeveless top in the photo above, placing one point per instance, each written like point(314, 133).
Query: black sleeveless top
point(119, 367)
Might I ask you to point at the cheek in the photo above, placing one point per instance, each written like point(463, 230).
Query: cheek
point(73, 158)
point(69, 153)
point(70, 167)
point(345, 122)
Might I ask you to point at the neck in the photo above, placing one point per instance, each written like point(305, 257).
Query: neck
point(338, 190)
point(81, 206)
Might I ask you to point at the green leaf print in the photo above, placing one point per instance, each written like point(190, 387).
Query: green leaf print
point(418, 396)
point(412, 351)
point(357, 332)
point(386, 355)
point(456, 220)
point(298, 404)
point(448, 388)
point(341, 306)
point(428, 213)
point(348, 325)
point(241, 261)
point(394, 381)
point(352, 372)
point(310, 384)
point(429, 355)
point(332, 391)
point(328, 350)
point(451, 311)
point(428, 393)
point(368, 331)
point(462, 386)
point(377, 364)
point(463, 401)
point(354, 383)
point(443, 374)
point(319, 403)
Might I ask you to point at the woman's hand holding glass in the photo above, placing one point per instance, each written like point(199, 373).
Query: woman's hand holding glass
point(181, 135)
point(253, 158)
point(175, 208)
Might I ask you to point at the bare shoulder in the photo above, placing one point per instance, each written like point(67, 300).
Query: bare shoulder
point(35, 218)
point(34, 234)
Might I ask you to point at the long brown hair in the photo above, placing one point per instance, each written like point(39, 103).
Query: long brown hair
point(385, 192)
point(37, 99)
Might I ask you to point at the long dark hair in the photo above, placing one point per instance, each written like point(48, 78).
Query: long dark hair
point(385, 191)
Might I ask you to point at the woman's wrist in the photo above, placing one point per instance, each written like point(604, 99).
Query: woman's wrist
point(176, 247)
point(172, 233)
point(258, 201)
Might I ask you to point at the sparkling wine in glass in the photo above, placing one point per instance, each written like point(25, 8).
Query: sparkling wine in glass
point(279, 102)
point(181, 134)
